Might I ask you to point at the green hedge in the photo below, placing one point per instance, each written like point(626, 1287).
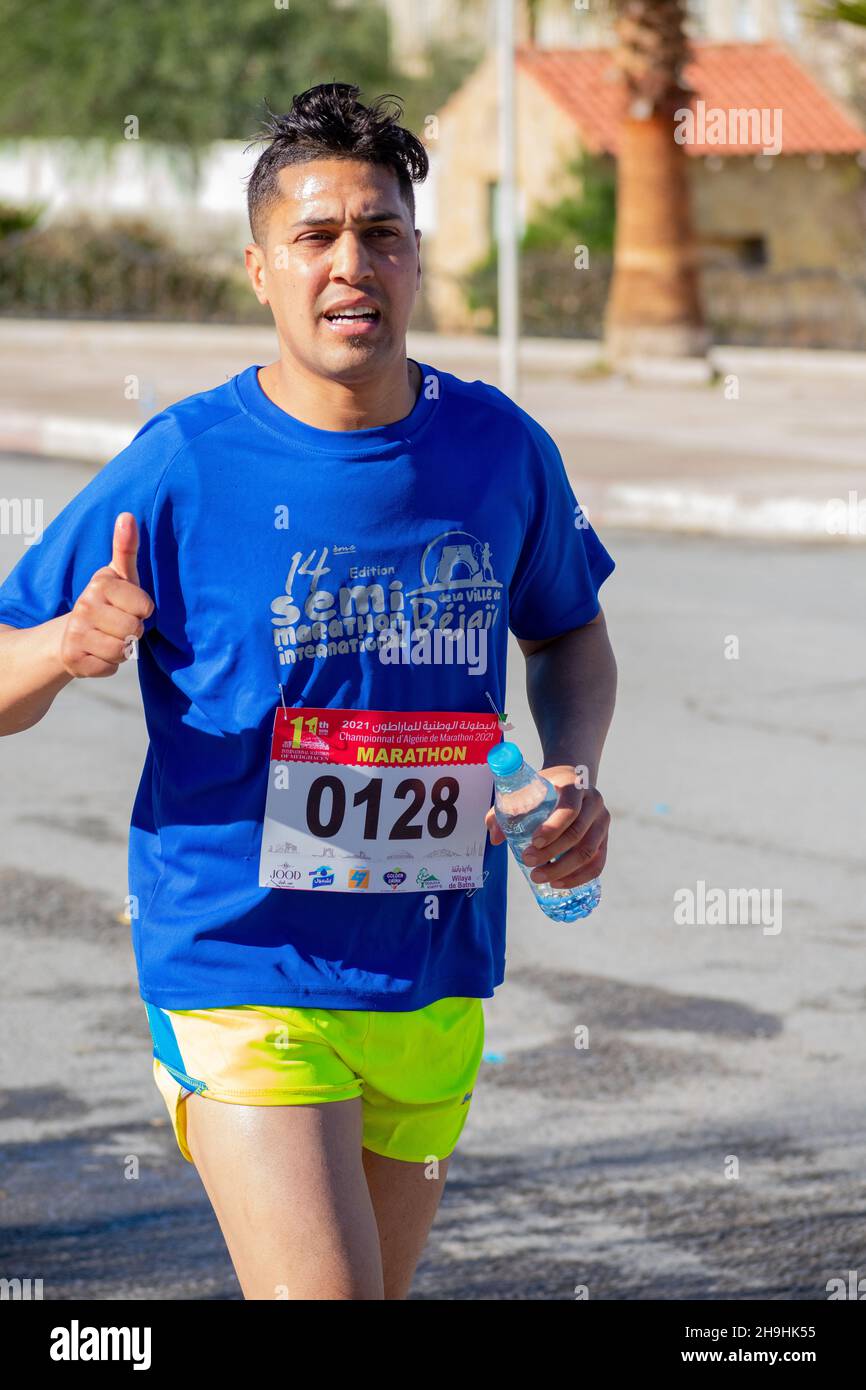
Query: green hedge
point(124, 269)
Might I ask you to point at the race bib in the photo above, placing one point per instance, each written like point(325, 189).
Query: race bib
point(377, 801)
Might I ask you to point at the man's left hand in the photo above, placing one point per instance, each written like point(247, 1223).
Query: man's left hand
point(577, 829)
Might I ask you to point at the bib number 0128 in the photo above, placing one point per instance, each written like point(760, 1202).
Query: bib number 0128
point(328, 794)
point(377, 801)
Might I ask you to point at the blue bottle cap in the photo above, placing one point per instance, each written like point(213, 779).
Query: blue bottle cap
point(504, 758)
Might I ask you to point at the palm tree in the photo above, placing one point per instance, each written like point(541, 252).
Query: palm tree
point(654, 302)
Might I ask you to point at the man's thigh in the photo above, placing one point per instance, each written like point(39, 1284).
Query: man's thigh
point(288, 1186)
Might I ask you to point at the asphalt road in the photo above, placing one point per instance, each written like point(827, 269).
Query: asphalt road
point(608, 1166)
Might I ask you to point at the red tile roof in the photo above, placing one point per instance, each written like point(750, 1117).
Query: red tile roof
point(584, 82)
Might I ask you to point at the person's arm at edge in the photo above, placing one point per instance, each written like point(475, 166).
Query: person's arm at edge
point(31, 672)
point(90, 641)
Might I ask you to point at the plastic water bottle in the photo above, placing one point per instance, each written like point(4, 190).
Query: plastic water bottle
point(524, 800)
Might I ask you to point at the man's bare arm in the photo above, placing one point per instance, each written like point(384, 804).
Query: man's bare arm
point(571, 685)
point(31, 673)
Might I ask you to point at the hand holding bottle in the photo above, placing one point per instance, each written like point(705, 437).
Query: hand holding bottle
point(546, 817)
point(577, 828)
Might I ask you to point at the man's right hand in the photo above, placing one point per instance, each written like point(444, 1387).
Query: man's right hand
point(109, 611)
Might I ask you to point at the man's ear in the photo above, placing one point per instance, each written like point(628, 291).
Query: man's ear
point(418, 245)
point(255, 262)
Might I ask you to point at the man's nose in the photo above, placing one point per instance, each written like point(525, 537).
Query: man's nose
point(349, 260)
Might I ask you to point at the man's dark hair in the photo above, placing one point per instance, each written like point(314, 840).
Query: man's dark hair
point(328, 122)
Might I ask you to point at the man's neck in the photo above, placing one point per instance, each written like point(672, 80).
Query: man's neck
point(332, 405)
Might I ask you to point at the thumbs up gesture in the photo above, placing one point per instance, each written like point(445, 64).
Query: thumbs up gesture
point(109, 611)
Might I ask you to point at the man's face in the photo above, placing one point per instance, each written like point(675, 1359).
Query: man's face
point(361, 247)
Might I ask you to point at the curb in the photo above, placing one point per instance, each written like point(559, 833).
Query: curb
point(557, 355)
point(63, 436)
point(693, 511)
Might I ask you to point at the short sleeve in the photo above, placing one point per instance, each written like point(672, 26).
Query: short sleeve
point(562, 563)
point(56, 568)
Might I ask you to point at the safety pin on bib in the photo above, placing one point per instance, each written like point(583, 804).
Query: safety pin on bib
point(503, 717)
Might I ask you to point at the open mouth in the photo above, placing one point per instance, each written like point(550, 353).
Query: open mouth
point(351, 315)
point(353, 320)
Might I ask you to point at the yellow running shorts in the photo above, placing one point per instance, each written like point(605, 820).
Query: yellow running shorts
point(415, 1072)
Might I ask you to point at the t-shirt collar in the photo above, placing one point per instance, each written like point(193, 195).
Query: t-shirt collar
point(374, 442)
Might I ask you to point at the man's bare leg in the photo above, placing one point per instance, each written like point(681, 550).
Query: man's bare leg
point(405, 1201)
point(288, 1188)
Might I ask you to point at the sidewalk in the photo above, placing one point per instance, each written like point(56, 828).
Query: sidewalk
point(761, 452)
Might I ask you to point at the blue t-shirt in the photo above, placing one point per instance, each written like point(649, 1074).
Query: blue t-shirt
point(248, 519)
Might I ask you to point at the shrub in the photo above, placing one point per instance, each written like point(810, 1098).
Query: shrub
point(124, 269)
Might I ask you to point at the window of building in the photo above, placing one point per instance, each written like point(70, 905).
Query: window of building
point(735, 252)
point(492, 208)
point(753, 251)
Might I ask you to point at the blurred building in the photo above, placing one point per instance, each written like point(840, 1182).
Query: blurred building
point(781, 236)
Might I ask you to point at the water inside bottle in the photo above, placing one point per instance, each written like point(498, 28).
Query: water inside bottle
point(524, 809)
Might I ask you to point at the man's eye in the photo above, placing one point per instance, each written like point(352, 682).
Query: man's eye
point(374, 231)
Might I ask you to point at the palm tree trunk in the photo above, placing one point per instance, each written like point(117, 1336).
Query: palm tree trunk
point(654, 306)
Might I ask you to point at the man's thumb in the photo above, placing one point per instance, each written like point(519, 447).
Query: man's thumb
point(125, 547)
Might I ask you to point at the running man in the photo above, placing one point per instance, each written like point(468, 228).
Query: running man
point(252, 546)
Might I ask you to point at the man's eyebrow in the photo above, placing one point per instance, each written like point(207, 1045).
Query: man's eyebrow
point(381, 215)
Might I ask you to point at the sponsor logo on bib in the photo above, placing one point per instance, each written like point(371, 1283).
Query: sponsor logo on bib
point(283, 874)
point(322, 877)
